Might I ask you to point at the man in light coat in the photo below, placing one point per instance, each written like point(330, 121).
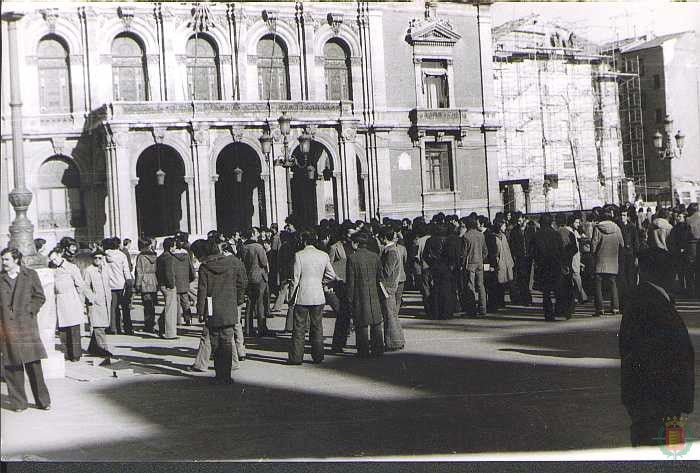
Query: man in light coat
point(98, 295)
point(68, 287)
point(606, 245)
point(312, 268)
point(120, 282)
point(21, 297)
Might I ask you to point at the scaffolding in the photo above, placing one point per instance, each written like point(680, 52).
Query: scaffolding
point(558, 101)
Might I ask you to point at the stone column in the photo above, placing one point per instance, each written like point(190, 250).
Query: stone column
point(125, 199)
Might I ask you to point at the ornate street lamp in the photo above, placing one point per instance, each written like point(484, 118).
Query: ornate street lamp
point(669, 149)
point(266, 142)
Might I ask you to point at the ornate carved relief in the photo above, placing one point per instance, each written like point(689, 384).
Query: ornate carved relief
point(200, 134)
point(311, 20)
point(431, 30)
point(335, 20)
point(158, 134)
point(270, 17)
point(349, 133)
point(58, 144)
point(50, 16)
point(126, 14)
point(237, 133)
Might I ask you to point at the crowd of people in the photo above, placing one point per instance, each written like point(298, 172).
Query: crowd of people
point(233, 283)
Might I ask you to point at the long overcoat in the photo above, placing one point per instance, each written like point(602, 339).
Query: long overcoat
point(99, 294)
point(19, 331)
point(68, 287)
point(362, 273)
point(504, 260)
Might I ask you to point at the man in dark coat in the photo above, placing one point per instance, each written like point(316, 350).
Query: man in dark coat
point(21, 297)
point(167, 322)
point(257, 267)
point(362, 284)
point(184, 275)
point(518, 250)
point(441, 257)
point(220, 290)
point(627, 271)
point(656, 353)
point(474, 253)
point(546, 249)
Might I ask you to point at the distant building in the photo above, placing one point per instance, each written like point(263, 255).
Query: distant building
point(669, 84)
point(396, 98)
point(559, 145)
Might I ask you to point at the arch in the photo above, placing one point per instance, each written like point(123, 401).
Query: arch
point(203, 65)
point(183, 33)
point(346, 35)
point(54, 75)
point(130, 78)
point(239, 189)
point(315, 197)
point(63, 28)
point(273, 68)
point(138, 28)
point(161, 209)
point(223, 141)
point(337, 70)
point(168, 140)
point(60, 199)
point(283, 31)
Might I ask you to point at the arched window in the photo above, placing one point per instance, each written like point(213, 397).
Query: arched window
point(54, 76)
point(202, 69)
point(337, 69)
point(60, 201)
point(129, 77)
point(273, 69)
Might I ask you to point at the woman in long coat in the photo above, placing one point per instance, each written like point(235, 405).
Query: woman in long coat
point(503, 263)
point(99, 297)
point(21, 297)
point(68, 287)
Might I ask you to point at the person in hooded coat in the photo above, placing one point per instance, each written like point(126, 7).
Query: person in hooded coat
point(657, 358)
point(606, 245)
point(659, 230)
point(147, 282)
point(220, 291)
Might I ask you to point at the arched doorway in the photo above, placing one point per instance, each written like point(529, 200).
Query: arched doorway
point(314, 192)
point(240, 191)
point(59, 195)
point(161, 210)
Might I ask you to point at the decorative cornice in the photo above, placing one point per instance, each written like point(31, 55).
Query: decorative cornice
point(126, 14)
point(335, 20)
point(431, 30)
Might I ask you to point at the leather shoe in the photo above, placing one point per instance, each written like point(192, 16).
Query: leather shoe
point(45, 408)
point(18, 409)
point(194, 368)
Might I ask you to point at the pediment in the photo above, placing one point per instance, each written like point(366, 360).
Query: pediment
point(436, 31)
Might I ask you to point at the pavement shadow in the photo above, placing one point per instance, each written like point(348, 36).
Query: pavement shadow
point(447, 404)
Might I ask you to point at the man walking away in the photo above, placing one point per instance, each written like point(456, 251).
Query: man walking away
point(222, 283)
point(184, 274)
point(606, 244)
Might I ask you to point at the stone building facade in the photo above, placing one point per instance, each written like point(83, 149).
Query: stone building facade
point(557, 96)
point(669, 84)
point(396, 99)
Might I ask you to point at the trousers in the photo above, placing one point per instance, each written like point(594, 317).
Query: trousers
point(222, 347)
point(14, 377)
point(167, 322)
point(70, 337)
point(314, 315)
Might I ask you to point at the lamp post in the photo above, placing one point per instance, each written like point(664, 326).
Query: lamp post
point(22, 229)
point(287, 161)
point(668, 149)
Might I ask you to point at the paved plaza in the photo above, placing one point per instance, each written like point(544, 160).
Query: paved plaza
point(505, 386)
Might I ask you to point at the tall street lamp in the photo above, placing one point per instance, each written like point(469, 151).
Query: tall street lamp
point(287, 161)
point(667, 149)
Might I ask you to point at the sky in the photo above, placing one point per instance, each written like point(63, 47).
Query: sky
point(607, 21)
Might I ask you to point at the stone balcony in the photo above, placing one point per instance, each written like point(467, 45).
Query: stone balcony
point(220, 112)
point(456, 121)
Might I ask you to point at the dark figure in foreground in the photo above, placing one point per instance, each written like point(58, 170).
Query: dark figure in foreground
point(657, 357)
